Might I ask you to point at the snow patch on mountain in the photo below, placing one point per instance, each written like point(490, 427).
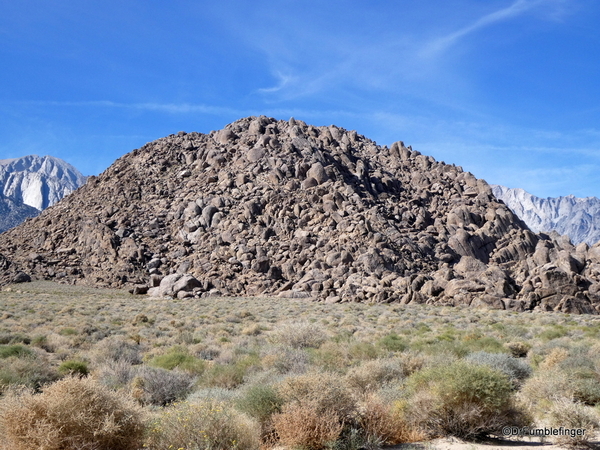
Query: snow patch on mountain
point(38, 181)
point(578, 218)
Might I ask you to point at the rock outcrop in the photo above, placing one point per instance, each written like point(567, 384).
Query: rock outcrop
point(267, 207)
point(578, 218)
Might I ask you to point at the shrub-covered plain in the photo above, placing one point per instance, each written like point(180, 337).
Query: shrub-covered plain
point(261, 372)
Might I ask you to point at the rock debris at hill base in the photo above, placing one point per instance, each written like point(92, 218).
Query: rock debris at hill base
point(267, 207)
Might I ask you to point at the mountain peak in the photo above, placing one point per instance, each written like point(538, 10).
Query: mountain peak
point(38, 181)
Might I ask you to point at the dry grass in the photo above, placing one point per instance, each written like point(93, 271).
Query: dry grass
point(346, 360)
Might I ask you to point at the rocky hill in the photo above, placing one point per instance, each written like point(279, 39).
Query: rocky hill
point(578, 218)
point(266, 207)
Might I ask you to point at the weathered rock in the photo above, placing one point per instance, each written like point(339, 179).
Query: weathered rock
point(267, 207)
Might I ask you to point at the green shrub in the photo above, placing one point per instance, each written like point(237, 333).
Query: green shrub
point(227, 376)
point(393, 343)
point(18, 350)
point(68, 331)
point(557, 331)
point(71, 414)
point(518, 349)
point(180, 358)
point(362, 350)
point(74, 367)
point(205, 425)
point(462, 399)
point(260, 402)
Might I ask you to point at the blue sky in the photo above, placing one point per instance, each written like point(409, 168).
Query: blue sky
point(508, 89)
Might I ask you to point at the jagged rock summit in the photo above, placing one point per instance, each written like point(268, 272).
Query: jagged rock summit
point(267, 207)
point(38, 181)
point(578, 218)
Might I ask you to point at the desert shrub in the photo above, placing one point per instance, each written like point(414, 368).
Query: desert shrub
point(573, 415)
point(554, 358)
point(371, 375)
point(68, 331)
point(156, 386)
point(557, 331)
point(542, 390)
point(227, 376)
point(462, 399)
point(31, 371)
point(393, 343)
point(286, 360)
point(18, 350)
point(484, 343)
point(518, 349)
point(305, 426)
point(14, 338)
point(300, 335)
point(74, 367)
point(71, 414)
point(331, 356)
point(260, 402)
point(586, 379)
point(324, 391)
point(382, 423)
point(515, 369)
point(360, 351)
point(116, 349)
point(180, 358)
point(202, 426)
point(214, 394)
point(114, 374)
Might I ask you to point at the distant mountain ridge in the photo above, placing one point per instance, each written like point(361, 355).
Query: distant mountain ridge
point(32, 183)
point(578, 218)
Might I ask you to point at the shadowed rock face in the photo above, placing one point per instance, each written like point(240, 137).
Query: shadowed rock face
point(283, 208)
point(12, 213)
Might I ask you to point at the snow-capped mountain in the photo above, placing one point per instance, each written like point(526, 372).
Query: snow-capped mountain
point(32, 183)
point(578, 218)
point(38, 181)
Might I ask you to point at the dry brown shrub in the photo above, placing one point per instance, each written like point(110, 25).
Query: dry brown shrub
point(300, 335)
point(324, 391)
point(71, 414)
point(371, 375)
point(539, 392)
point(574, 417)
point(203, 425)
point(305, 426)
point(386, 424)
point(411, 363)
point(555, 357)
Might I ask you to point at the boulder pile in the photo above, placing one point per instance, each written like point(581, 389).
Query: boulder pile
point(282, 208)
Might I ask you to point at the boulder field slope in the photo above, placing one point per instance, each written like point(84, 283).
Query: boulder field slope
point(282, 208)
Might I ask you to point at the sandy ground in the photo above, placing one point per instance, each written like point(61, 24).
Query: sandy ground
point(491, 444)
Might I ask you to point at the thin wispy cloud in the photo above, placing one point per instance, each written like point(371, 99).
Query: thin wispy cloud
point(517, 8)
